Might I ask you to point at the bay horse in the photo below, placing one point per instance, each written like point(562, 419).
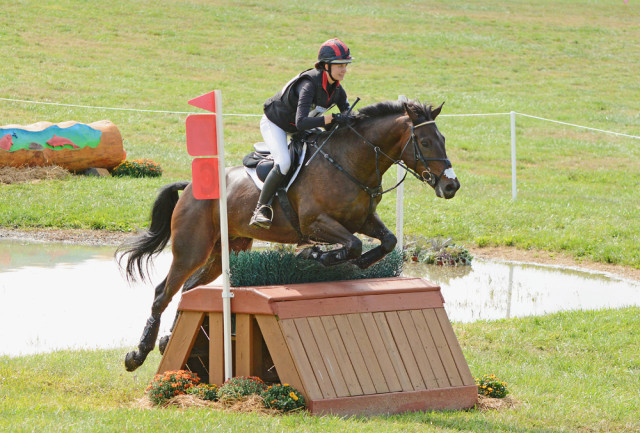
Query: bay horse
point(334, 197)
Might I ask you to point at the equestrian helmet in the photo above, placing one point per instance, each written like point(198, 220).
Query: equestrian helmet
point(334, 51)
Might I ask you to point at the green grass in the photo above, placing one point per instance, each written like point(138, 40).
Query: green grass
point(571, 372)
point(569, 60)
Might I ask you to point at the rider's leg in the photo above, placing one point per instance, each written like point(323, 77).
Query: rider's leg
point(276, 140)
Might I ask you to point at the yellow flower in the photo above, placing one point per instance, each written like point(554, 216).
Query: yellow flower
point(293, 396)
point(285, 384)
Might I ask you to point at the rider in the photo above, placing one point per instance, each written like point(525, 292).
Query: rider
point(299, 107)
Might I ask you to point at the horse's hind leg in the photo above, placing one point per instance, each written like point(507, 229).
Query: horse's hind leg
point(206, 274)
point(191, 249)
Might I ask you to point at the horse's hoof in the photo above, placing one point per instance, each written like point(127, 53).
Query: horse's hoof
point(162, 344)
point(310, 253)
point(130, 361)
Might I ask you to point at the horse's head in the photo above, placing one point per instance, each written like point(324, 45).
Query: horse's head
point(425, 151)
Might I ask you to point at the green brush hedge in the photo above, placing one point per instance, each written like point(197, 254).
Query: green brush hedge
point(270, 267)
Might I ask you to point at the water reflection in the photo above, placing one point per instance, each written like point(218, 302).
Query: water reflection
point(501, 290)
point(57, 296)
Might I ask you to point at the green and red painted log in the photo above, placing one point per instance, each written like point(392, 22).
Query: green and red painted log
point(71, 145)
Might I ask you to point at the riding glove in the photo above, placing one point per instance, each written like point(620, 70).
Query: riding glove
point(343, 118)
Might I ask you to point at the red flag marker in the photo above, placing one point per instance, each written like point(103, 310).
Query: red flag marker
point(201, 135)
point(205, 178)
point(206, 102)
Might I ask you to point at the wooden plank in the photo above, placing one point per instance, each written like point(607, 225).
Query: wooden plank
point(342, 355)
point(315, 358)
point(356, 304)
point(257, 367)
point(384, 359)
point(357, 360)
point(280, 354)
point(458, 398)
point(216, 349)
point(330, 361)
point(404, 347)
point(454, 346)
point(244, 345)
point(181, 341)
point(430, 349)
point(442, 347)
point(419, 353)
point(299, 355)
point(392, 350)
point(370, 359)
point(261, 299)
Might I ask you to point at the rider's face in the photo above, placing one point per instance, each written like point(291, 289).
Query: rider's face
point(338, 70)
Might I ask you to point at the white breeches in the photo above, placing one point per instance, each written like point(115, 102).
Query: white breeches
point(278, 143)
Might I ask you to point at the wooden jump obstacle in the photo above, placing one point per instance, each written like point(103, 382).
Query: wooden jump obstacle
point(359, 347)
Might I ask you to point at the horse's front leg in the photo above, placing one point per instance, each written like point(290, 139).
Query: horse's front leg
point(375, 228)
point(326, 229)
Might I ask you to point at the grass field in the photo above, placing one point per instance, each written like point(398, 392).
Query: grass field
point(568, 372)
point(573, 61)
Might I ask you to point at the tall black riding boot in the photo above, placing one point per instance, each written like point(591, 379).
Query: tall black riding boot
point(263, 215)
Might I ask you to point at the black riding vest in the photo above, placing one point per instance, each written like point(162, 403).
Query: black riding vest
point(281, 108)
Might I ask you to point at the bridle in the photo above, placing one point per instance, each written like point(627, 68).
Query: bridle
point(431, 178)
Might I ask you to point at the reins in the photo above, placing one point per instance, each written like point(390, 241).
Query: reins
point(378, 190)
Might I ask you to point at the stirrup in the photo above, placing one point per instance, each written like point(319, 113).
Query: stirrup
point(259, 218)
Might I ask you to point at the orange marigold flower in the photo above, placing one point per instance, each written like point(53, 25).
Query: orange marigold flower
point(293, 396)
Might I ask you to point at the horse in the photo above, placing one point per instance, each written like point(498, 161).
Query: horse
point(334, 197)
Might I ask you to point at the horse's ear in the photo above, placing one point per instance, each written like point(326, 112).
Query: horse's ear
point(411, 113)
point(437, 111)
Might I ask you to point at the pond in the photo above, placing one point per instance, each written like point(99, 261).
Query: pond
point(59, 296)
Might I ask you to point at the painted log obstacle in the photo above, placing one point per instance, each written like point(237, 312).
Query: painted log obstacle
point(357, 347)
point(71, 145)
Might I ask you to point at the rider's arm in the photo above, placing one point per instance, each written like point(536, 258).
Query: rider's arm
point(342, 102)
point(306, 93)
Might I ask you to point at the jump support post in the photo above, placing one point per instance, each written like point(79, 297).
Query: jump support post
point(359, 347)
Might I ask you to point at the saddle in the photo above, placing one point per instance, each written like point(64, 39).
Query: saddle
point(259, 163)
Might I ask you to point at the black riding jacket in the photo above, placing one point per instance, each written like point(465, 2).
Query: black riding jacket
point(290, 108)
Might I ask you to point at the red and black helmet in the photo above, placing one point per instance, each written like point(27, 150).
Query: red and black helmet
point(334, 51)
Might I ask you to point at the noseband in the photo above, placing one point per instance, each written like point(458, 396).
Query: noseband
point(430, 177)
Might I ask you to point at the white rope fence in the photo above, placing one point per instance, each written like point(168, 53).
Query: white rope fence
point(118, 109)
point(400, 190)
point(512, 115)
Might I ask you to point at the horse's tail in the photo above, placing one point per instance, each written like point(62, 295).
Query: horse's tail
point(152, 241)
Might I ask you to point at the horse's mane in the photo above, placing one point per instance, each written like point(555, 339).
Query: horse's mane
point(388, 108)
point(373, 112)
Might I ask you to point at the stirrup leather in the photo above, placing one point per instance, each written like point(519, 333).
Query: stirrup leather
point(262, 216)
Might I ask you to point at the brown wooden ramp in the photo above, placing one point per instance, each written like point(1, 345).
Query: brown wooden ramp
point(358, 347)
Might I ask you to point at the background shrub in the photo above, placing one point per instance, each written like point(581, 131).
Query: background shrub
point(138, 168)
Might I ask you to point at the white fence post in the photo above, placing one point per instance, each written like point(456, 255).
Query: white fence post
point(400, 210)
point(224, 241)
point(400, 201)
point(514, 189)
